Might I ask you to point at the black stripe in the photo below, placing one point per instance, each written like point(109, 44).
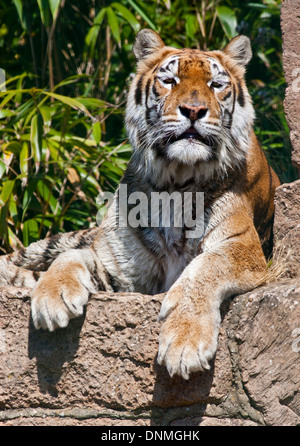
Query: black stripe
point(234, 98)
point(36, 275)
point(228, 115)
point(147, 89)
point(227, 96)
point(241, 97)
point(14, 279)
point(154, 91)
point(138, 91)
point(148, 114)
point(112, 281)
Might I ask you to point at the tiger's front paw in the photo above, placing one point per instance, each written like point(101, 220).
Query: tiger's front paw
point(188, 340)
point(59, 296)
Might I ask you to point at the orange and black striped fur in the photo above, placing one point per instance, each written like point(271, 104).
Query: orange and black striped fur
point(189, 119)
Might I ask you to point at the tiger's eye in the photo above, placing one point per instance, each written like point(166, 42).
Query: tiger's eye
point(215, 84)
point(169, 81)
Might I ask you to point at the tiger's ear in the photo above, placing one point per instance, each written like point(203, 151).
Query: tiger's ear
point(146, 43)
point(239, 49)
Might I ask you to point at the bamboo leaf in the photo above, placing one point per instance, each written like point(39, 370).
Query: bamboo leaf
point(113, 24)
point(36, 140)
point(19, 6)
point(2, 168)
point(6, 191)
point(12, 147)
point(8, 96)
point(44, 12)
point(54, 7)
point(142, 13)
point(228, 20)
point(30, 232)
point(6, 114)
point(47, 195)
point(127, 15)
point(97, 132)
point(92, 35)
point(28, 194)
point(3, 222)
point(69, 101)
point(46, 115)
point(13, 209)
point(13, 240)
point(24, 157)
point(191, 25)
point(94, 103)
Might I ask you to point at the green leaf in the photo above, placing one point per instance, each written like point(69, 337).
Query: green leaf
point(46, 115)
point(142, 13)
point(228, 20)
point(93, 103)
point(191, 25)
point(19, 6)
point(3, 222)
point(8, 96)
point(6, 191)
point(30, 232)
point(44, 12)
point(113, 24)
point(2, 168)
point(24, 156)
point(25, 109)
point(54, 6)
point(6, 114)
point(12, 147)
point(69, 101)
point(28, 194)
point(127, 15)
point(36, 139)
point(13, 209)
point(47, 195)
point(92, 35)
point(97, 132)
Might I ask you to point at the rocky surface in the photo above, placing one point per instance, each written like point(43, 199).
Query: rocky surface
point(287, 226)
point(290, 24)
point(102, 370)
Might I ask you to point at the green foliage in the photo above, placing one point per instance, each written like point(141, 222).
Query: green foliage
point(68, 66)
point(51, 155)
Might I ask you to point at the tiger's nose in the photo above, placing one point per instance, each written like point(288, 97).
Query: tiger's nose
point(193, 112)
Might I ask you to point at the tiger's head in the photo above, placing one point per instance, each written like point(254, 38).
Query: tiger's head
point(190, 108)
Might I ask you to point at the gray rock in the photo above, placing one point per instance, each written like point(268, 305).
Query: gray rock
point(102, 368)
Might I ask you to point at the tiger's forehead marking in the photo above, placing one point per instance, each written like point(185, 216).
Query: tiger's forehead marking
point(169, 65)
point(178, 64)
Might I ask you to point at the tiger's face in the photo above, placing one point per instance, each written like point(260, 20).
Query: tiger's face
point(188, 106)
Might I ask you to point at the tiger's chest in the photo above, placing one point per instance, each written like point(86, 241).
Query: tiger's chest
point(172, 250)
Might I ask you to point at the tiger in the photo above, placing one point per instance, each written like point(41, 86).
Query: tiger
point(189, 118)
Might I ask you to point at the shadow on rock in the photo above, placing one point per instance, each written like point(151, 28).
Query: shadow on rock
point(176, 392)
point(53, 352)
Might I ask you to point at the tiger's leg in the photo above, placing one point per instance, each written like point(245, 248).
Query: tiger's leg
point(63, 290)
point(13, 275)
point(24, 267)
point(191, 309)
